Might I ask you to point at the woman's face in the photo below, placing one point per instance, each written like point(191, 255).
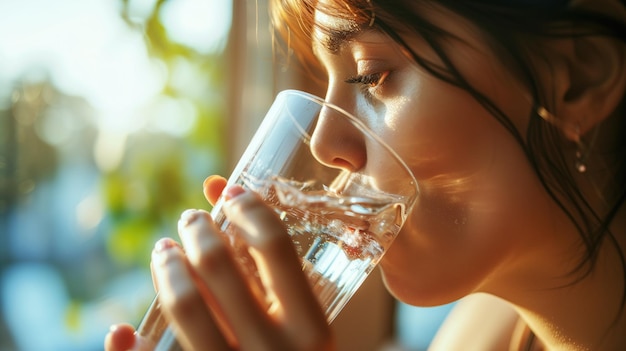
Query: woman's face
point(481, 218)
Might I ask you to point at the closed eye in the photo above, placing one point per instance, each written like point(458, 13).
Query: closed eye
point(369, 80)
point(369, 84)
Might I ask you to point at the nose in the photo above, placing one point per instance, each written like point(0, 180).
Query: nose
point(337, 142)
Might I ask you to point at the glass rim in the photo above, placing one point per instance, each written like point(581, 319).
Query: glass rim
point(358, 123)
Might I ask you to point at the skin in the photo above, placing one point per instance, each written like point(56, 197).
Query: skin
point(483, 222)
point(483, 225)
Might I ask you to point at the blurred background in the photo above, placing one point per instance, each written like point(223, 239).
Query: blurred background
point(112, 113)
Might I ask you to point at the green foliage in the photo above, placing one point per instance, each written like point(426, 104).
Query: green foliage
point(162, 175)
point(130, 240)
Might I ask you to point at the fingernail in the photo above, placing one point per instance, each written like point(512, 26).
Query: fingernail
point(187, 217)
point(161, 251)
point(164, 244)
point(234, 191)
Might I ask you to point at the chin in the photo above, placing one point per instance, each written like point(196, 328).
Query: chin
point(416, 294)
point(420, 292)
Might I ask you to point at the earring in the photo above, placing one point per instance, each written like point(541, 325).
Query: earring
point(581, 158)
point(573, 132)
point(582, 154)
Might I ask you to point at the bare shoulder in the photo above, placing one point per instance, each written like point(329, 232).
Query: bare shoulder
point(478, 322)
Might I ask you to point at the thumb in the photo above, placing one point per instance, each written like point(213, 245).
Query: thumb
point(122, 337)
point(212, 188)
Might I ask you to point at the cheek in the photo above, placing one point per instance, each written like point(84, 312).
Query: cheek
point(442, 133)
point(471, 173)
point(461, 236)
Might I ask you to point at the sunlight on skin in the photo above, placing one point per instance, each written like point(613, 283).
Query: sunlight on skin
point(213, 187)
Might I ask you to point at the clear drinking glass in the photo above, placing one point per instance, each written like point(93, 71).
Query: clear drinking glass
point(341, 221)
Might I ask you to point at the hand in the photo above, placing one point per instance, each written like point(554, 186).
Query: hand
point(211, 304)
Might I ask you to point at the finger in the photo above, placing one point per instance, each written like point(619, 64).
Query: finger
point(281, 267)
point(213, 187)
point(154, 278)
point(122, 337)
point(155, 283)
point(182, 302)
point(233, 296)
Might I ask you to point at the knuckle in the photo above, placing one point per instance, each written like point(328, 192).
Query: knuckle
point(251, 203)
point(261, 224)
point(183, 303)
point(211, 258)
point(274, 243)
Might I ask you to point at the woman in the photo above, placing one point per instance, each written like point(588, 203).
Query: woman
point(511, 116)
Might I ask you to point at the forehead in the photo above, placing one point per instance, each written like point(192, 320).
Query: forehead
point(331, 32)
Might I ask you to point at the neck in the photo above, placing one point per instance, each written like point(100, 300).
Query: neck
point(584, 315)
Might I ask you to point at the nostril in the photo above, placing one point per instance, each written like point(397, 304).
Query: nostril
point(345, 164)
point(339, 144)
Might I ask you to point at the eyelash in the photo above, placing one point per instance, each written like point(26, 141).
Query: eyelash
point(369, 81)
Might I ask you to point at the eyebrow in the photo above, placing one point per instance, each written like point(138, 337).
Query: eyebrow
point(334, 39)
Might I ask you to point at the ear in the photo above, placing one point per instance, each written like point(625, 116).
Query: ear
point(589, 73)
point(590, 81)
